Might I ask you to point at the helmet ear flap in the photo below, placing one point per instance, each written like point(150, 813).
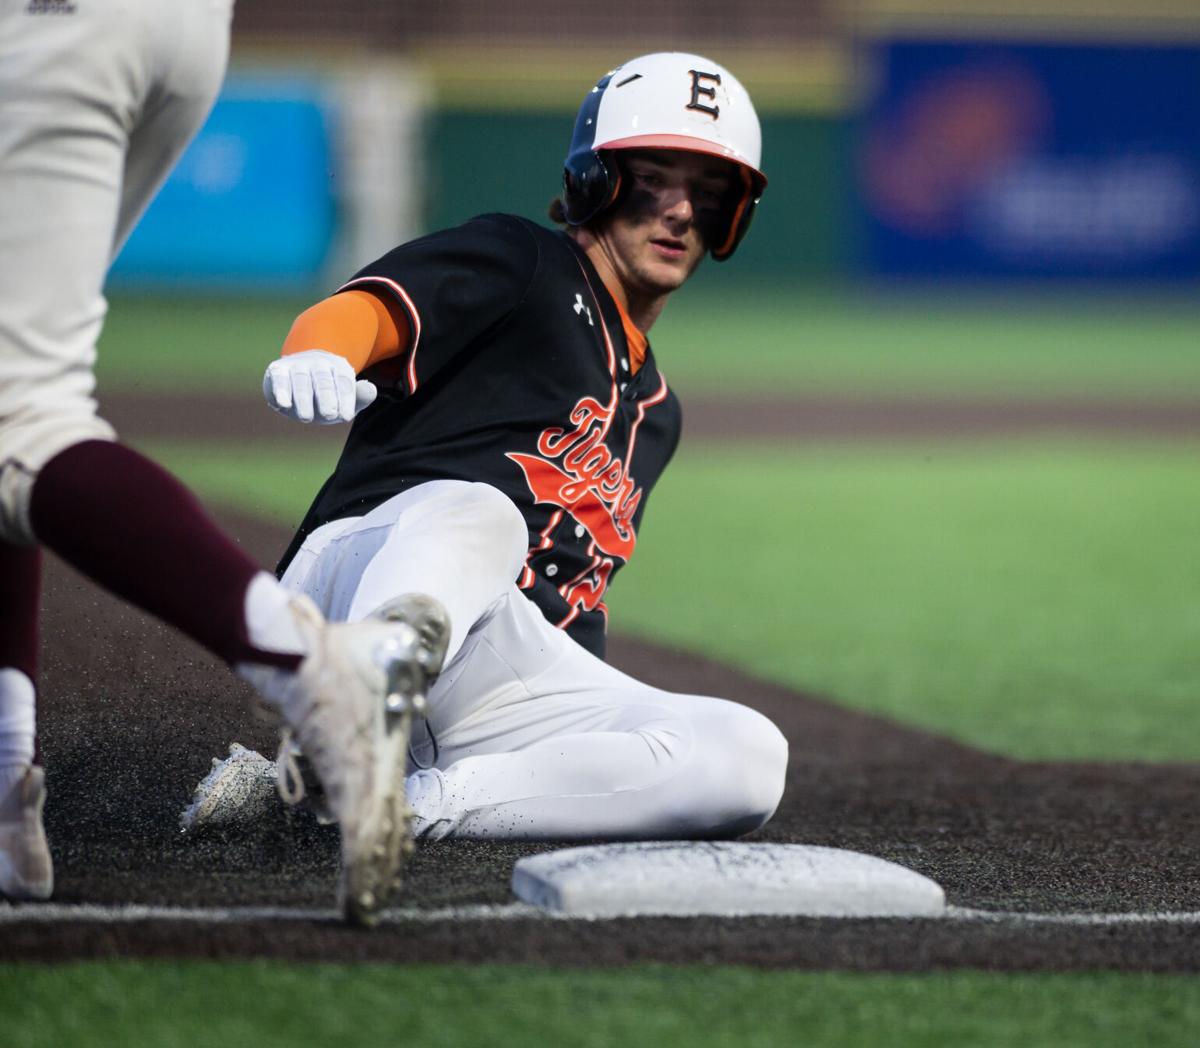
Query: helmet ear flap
point(591, 182)
point(737, 230)
point(740, 209)
point(619, 183)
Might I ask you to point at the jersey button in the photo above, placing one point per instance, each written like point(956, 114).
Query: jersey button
point(579, 530)
point(551, 570)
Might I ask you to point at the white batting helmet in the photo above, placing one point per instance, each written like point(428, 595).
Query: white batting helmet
point(667, 100)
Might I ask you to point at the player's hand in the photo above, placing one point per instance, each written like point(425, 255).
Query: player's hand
point(316, 386)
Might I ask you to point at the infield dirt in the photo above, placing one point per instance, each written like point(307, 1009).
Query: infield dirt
point(131, 714)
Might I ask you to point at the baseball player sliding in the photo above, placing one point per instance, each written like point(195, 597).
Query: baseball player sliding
point(97, 101)
point(509, 423)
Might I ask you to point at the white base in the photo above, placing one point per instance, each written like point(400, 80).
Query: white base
point(688, 878)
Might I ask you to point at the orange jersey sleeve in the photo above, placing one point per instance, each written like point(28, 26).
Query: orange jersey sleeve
point(356, 325)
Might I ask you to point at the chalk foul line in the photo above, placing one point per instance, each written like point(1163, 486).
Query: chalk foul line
point(91, 913)
point(962, 913)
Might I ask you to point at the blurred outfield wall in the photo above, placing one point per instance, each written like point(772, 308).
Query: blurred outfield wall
point(1016, 159)
point(288, 184)
point(488, 161)
point(932, 146)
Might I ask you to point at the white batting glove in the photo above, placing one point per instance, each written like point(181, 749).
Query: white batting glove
point(316, 386)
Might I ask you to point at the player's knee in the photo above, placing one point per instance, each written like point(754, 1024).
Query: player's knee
point(752, 770)
point(497, 516)
point(27, 443)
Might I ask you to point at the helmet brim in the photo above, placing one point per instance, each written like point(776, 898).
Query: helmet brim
point(687, 144)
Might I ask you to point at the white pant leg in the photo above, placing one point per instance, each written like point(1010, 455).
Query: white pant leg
point(530, 736)
point(460, 542)
point(95, 107)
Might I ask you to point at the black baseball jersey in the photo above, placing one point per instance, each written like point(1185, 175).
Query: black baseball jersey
point(517, 375)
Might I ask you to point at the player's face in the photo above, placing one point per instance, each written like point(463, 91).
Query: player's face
point(656, 238)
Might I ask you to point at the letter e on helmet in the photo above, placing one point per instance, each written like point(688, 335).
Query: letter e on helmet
point(668, 100)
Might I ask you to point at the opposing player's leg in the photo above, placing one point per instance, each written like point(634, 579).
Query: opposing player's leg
point(70, 89)
point(94, 109)
point(329, 684)
point(61, 149)
point(533, 737)
point(190, 43)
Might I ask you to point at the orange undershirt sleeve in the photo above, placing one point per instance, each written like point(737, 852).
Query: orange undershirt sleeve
point(356, 325)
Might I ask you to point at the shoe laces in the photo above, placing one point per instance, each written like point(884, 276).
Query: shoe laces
point(290, 782)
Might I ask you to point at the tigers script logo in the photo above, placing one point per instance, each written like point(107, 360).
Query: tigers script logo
point(579, 474)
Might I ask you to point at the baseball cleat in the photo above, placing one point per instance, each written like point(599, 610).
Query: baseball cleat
point(412, 656)
point(238, 790)
point(411, 678)
point(26, 871)
point(350, 708)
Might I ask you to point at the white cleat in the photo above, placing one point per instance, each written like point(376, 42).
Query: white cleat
point(238, 791)
point(350, 707)
point(413, 672)
point(26, 871)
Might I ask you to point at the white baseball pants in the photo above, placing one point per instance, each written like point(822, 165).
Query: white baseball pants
point(528, 734)
point(98, 98)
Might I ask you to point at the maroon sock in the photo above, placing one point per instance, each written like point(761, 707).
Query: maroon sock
point(21, 572)
point(130, 526)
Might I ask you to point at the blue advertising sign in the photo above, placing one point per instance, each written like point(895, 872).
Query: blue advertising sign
point(250, 202)
point(1020, 160)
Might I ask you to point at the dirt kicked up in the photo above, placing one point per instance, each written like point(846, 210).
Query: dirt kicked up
point(131, 715)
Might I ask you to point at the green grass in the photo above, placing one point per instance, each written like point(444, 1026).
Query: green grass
point(199, 1004)
point(153, 342)
point(276, 483)
point(1036, 599)
point(1039, 599)
point(813, 340)
point(789, 341)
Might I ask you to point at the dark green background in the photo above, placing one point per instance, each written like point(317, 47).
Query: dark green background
point(512, 161)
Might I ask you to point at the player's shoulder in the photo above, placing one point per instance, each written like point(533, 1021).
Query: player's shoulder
point(497, 245)
point(515, 227)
